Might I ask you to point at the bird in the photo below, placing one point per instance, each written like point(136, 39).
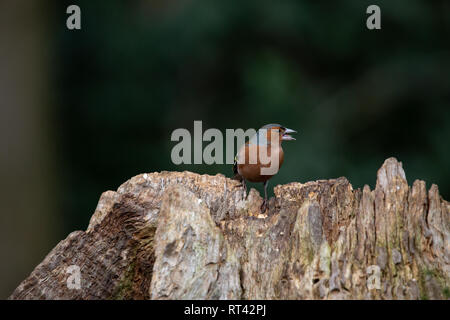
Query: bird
point(261, 143)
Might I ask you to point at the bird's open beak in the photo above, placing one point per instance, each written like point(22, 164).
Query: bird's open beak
point(286, 136)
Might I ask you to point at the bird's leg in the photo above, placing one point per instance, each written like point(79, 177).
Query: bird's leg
point(265, 204)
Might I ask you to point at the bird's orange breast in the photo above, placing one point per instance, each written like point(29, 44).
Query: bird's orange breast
point(252, 171)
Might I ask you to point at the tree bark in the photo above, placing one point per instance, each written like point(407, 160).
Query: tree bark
point(173, 235)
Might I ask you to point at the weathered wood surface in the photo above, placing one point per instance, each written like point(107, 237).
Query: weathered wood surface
point(173, 235)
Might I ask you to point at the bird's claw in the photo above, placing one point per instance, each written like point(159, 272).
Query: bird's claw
point(264, 206)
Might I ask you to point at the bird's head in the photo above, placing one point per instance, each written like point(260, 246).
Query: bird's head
point(283, 132)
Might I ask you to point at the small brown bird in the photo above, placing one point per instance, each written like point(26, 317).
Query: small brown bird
point(261, 144)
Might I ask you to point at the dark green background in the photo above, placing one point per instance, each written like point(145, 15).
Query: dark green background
point(140, 69)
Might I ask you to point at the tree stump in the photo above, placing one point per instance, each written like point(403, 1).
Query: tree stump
point(180, 235)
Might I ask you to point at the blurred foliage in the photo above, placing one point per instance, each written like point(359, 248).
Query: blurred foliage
point(140, 69)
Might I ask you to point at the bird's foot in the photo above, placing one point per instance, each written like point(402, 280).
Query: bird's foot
point(245, 196)
point(244, 185)
point(264, 206)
